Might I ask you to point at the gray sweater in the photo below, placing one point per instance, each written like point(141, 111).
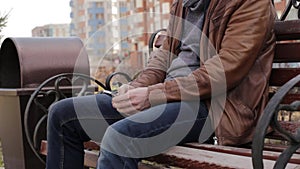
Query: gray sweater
point(188, 59)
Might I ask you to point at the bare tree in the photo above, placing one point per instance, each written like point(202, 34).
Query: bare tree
point(3, 22)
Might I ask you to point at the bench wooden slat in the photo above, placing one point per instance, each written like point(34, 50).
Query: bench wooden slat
point(289, 126)
point(91, 145)
point(280, 76)
point(277, 148)
point(287, 52)
point(287, 30)
point(90, 157)
point(43, 148)
point(150, 166)
point(184, 156)
point(290, 98)
point(270, 155)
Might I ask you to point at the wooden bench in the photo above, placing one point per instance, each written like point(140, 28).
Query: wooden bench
point(265, 149)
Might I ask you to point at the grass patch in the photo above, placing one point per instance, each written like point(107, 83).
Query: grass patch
point(1, 156)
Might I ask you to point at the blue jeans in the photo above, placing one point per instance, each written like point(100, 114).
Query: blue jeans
point(124, 141)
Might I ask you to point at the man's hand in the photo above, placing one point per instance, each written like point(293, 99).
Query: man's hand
point(124, 88)
point(132, 101)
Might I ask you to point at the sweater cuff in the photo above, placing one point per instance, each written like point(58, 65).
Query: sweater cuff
point(157, 94)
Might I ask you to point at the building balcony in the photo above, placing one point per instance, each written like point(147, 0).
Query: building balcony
point(96, 10)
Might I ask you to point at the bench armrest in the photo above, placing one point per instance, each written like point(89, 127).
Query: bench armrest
point(270, 118)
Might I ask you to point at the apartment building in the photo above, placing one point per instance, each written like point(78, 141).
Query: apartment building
point(113, 29)
point(144, 18)
point(51, 30)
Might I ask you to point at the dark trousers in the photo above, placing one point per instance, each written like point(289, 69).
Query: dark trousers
point(124, 141)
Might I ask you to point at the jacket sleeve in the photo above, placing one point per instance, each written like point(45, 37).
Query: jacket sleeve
point(242, 42)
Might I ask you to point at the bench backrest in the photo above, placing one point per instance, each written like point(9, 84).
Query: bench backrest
point(287, 56)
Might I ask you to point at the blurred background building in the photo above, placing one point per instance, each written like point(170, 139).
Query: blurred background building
point(116, 32)
point(52, 30)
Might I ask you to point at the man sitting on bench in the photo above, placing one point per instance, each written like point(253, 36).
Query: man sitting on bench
point(215, 62)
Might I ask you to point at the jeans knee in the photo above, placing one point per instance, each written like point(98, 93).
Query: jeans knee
point(119, 139)
point(104, 101)
point(59, 110)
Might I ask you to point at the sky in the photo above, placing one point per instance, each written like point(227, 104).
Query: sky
point(27, 14)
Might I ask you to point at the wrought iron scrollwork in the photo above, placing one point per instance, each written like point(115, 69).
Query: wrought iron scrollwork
point(270, 117)
point(63, 86)
point(293, 138)
point(291, 3)
point(110, 77)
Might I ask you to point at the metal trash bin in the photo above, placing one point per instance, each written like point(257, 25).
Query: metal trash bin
point(24, 64)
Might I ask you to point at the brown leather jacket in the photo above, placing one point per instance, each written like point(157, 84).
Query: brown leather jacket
point(236, 60)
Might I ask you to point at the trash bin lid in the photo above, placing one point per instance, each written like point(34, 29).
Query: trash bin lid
point(27, 62)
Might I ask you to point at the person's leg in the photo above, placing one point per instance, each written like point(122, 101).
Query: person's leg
point(73, 121)
point(150, 132)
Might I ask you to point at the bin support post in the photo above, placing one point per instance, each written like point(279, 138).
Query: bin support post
point(11, 132)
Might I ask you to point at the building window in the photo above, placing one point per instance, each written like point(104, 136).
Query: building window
point(165, 7)
point(138, 3)
point(99, 4)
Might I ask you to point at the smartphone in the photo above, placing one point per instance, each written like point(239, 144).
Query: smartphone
point(109, 93)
